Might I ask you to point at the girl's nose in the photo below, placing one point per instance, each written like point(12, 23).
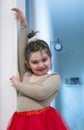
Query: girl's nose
point(40, 64)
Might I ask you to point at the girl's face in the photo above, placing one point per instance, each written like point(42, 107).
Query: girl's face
point(39, 62)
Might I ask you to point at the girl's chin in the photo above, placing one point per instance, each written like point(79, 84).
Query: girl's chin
point(41, 73)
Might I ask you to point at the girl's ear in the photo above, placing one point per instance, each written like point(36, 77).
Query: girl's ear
point(26, 63)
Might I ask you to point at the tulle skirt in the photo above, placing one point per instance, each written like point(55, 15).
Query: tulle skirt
point(44, 119)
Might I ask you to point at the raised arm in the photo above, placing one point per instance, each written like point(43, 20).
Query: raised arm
point(22, 40)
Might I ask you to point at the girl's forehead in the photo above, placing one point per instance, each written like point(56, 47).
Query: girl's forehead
point(38, 54)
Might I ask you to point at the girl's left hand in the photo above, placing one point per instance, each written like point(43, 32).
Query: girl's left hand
point(15, 79)
point(20, 16)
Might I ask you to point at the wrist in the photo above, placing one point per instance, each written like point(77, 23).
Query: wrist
point(23, 22)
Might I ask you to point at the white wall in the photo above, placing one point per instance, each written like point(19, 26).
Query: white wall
point(8, 60)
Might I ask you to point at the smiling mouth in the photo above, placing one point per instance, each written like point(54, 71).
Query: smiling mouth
point(42, 69)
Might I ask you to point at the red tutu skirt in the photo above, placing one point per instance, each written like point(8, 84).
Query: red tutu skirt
point(44, 119)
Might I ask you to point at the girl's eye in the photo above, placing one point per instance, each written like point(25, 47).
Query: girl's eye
point(45, 59)
point(35, 62)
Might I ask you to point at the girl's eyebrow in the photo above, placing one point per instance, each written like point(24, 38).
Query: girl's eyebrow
point(45, 57)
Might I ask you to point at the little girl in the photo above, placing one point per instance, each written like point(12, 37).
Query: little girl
point(36, 88)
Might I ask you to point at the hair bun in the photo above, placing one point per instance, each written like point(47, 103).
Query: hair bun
point(31, 36)
point(32, 33)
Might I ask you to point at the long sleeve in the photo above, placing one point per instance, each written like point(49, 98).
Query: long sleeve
point(42, 91)
point(22, 41)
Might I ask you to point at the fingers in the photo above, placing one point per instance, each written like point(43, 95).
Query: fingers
point(15, 79)
point(12, 80)
point(11, 77)
point(16, 10)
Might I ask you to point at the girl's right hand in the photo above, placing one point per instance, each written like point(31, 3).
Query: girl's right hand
point(20, 16)
point(15, 79)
